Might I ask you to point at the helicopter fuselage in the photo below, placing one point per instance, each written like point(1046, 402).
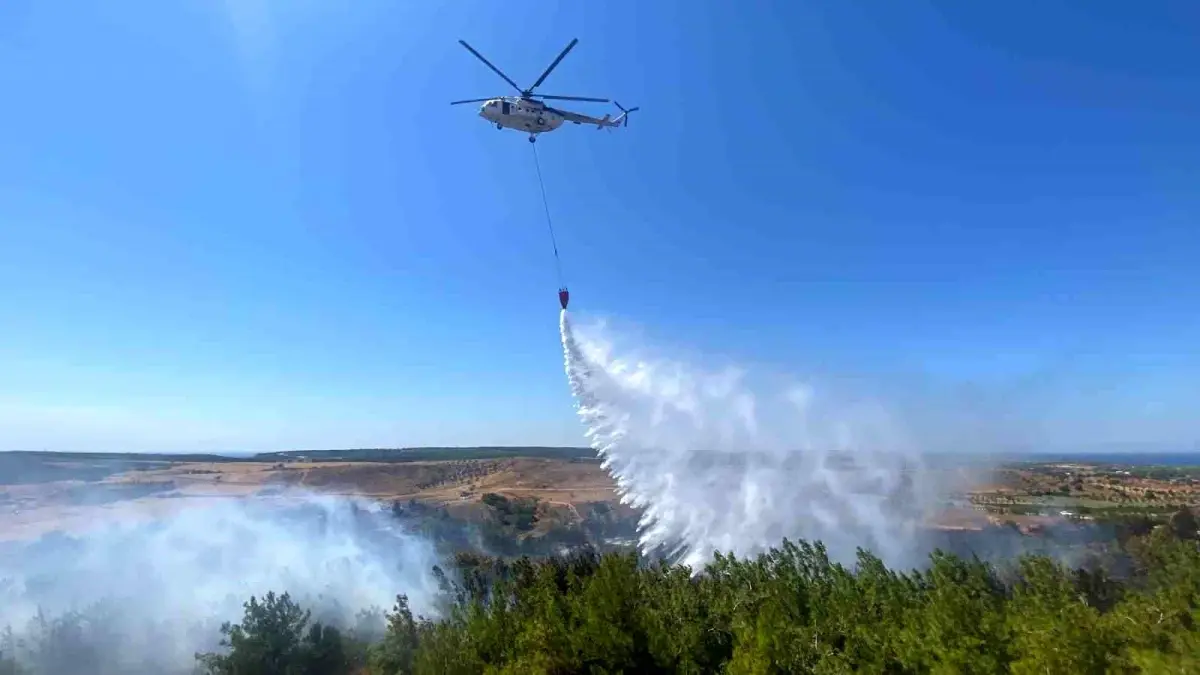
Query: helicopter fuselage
point(521, 114)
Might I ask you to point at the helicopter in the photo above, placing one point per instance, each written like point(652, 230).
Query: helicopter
point(527, 113)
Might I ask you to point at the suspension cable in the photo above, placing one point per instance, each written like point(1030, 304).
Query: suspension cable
point(549, 224)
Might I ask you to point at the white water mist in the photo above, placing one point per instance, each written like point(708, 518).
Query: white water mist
point(151, 594)
point(718, 468)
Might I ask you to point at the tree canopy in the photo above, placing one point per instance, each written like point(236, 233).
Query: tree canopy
point(1131, 609)
point(791, 610)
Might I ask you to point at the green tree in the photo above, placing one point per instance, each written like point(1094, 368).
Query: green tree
point(397, 651)
point(1054, 630)
point(1161, 623)
point(789, 610)
point(684, 631)
point(1183, 524)
point(605, 631)
point(276, 637)
point(958, 623)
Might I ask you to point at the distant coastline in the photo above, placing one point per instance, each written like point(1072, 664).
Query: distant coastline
point(1126, 458)
point(1122, 458)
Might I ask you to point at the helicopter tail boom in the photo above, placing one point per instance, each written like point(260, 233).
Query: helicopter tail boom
point(622, 120)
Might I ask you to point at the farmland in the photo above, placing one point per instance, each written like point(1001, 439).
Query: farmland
point(558, 487)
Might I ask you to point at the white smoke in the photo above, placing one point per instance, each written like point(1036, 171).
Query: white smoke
point(152, 594)
point(718, 469)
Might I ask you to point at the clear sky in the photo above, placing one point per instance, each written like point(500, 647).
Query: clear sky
point(258, 225)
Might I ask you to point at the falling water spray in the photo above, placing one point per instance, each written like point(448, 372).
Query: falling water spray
point(716, 468)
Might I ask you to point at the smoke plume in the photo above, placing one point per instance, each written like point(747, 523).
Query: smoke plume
point(718, 468)
point(146, 596)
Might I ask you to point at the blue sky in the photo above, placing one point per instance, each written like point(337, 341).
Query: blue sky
point(259, 225)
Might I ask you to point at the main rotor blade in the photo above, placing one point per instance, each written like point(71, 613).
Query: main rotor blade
point(572, 98)
point(489, 65)
point(473, 100)
point(552, 65)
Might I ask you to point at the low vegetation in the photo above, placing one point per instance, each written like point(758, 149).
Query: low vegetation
point(791, 610)
point(548, 595)
point(428, 454)
point(1087, 490)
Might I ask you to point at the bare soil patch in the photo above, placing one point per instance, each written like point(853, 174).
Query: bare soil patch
point(151, 491)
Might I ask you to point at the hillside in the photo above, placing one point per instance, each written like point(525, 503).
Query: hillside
point(42, 492)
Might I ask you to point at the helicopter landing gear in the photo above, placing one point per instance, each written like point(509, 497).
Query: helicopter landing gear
point(499, 127)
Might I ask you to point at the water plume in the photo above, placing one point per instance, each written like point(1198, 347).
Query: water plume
point(717, 468)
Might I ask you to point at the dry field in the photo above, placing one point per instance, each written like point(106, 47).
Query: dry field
point(1090, 486)
point(93, 496)
point(32, 509)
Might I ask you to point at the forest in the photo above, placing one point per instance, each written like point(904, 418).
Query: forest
point(1135, 607)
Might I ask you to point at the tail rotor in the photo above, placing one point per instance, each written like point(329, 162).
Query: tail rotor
point(625, 113)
